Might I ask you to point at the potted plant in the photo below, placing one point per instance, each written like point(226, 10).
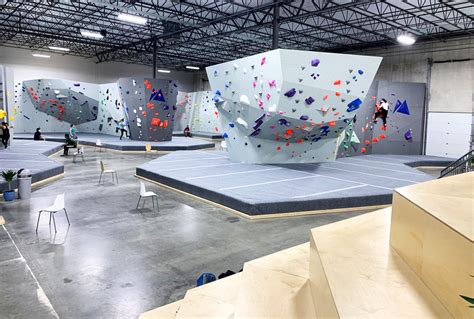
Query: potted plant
point(8, 176)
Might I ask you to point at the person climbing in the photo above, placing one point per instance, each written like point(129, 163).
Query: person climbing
point(70, 143)
point(38, 136)
point(187, 132)
point(382, 111)
point(5, 134)
point(121, 126)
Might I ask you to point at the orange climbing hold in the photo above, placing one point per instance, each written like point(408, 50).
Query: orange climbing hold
point(367, 142)
point(332, 123)
point(337, 82)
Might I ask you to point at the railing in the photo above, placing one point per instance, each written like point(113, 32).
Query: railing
point(462, 165)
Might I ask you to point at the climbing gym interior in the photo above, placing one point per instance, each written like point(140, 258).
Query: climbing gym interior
point(236, 159)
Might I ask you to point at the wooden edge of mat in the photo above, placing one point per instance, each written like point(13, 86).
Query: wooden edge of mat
point(47, 180)
point(267, 216)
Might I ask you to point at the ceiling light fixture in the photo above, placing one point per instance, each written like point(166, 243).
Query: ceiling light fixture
point(192, 67)
point(131, 18)
point(90, 34)
point(164, 71)
point(59, 49)
point(406, 39)
point(44, 56)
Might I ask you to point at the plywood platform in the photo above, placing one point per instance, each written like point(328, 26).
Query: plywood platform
point(432, 229)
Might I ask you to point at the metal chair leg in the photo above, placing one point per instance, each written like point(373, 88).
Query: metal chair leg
point(54, 222)
point(144, 200)
point(50, 213)
point(138, 204)
point(153, 201)
point(100, 177)
point(157, 203)
point(116, 177)
point(67, 217)
point(37, 223)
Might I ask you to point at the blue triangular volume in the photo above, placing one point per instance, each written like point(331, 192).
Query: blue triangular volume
point(157, 96)
point(404, 108)
point(397, 106)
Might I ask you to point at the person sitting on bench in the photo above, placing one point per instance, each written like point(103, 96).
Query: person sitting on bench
point(70, 143)
point(187, 132)
point(38, 136)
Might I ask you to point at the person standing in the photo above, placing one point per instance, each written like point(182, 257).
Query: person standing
point(122, 128)
point(5, 134)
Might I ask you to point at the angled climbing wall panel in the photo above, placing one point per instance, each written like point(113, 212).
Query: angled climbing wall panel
point(288, 106)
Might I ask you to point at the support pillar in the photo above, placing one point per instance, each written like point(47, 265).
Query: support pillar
point(276, 25)
point(154, 59)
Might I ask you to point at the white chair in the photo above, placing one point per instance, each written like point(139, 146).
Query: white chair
point(98, 143)
point(144, 194)
point(107, 171)
point(57, 206)
point(223, 146)
point(79, 152)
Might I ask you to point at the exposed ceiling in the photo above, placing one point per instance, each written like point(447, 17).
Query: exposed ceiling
point(204, 32)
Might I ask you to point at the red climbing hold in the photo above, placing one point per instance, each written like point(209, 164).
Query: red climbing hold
point(337, 82)
point(363, 150)
point(382, 136)
point(375, 140)
point(367, 142)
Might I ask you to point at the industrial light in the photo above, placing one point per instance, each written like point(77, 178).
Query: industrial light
point(131, 18)
point(406, 39)
point(192, 67)
point(59, 49)
point(164, 71)
point(90, 34)
point(37, 55)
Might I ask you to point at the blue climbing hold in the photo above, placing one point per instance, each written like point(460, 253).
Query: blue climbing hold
point(354, 105)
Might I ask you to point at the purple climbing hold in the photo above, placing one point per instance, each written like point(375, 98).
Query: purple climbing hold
point(255, 133)
point(282, 121)
point(315, 62)
point(309, 100)
point(166, 107)
point(261, 117)
point(290, 93)
point(408, 135)
point(304, 117)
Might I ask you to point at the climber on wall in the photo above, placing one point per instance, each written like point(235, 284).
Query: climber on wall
point(381, 111)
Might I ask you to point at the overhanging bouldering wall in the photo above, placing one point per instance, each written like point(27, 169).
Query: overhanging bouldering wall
point(288, 106)
point(54, 104)
point(150, 105)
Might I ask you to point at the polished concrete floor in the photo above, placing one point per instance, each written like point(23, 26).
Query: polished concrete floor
point(115, 261)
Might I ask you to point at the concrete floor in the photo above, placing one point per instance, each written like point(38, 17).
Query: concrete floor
point(117, 262)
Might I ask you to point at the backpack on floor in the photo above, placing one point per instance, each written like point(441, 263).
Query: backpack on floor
point(205, 278)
